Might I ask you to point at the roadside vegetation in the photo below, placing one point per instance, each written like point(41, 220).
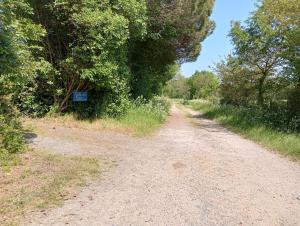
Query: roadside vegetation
point(254, 123)
point(142, 118)
point(256, 90)
point(11, 136)
point(42, 181)
point(145, 117)
point(116, 51)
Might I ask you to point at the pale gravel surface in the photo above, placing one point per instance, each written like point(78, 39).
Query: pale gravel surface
point(190, 173)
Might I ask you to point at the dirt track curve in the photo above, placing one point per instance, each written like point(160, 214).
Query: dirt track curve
point(192, 172)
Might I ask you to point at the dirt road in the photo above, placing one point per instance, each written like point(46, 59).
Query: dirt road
point(193, 172)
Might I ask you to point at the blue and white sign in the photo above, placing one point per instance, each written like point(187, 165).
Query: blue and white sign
point(80, 96)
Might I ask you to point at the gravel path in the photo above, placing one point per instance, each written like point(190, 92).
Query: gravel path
point(193, 172)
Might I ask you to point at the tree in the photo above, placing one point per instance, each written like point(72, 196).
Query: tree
point(19, 38)
point(177, 88)
point(282, 17)
point(87, 47)
point(258, 50)
point(95, 45)
point(175, 32)
point(238, 84)
point(203, 84)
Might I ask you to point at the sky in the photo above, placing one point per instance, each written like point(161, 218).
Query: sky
point(218, 45)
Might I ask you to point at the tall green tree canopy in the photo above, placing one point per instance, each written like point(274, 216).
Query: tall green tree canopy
point(265, 64)
point(19, 39)
point(113, 49)
point(87, 45)
point(266, 43)
point(175, 32)
point(259, 50)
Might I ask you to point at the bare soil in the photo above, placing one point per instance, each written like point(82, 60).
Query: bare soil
point(192, 172)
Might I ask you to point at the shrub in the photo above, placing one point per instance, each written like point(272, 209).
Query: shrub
point(11, 137)
point(162, 103)
point(146, 116)
point(158, 107)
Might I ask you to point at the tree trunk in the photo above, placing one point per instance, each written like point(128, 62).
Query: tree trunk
point(261, 91)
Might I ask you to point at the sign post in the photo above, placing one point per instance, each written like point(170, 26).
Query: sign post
point(80, 96)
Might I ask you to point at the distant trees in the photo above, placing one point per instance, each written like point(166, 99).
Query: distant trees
point(177, 87)
point(203, 84)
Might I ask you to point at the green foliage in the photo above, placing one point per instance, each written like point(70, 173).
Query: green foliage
point(87, 46)
point(258, 50)
point(19, 38)
point(146, 116)
point(11, 135)
point(237, 83)
point(10, 130)
point(203, 84)
point(175, 31)
point(266, 126)
point(177, 88)
point(282, 17)
point(263, 74)
point(162, 103)
point(95, 45)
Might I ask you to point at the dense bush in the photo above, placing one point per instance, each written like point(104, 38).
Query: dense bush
point(146, 116)
point(158, 106)
point(11, 136)
point(161, 103)
point(19, 38)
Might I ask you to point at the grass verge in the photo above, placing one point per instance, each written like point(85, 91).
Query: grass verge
point(41, 181)
point(239, 121)
point(141, 119)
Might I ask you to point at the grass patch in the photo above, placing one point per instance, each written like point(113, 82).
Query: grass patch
point(142, 121)
point(41, 181)
point(142, 118)
point(245, 123)
point(8, 160)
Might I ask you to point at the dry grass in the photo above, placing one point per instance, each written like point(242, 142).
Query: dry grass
point(70, 121)
point(41, 181)
point(138, 121)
